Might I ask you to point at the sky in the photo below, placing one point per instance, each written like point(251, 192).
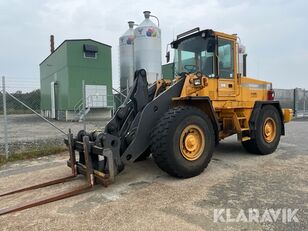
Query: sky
point(274, 32)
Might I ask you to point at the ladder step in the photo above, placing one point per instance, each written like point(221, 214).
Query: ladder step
point(244, 129)
point(245, 138)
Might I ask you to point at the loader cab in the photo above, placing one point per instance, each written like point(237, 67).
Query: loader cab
point(195, 53)
point(212, 54)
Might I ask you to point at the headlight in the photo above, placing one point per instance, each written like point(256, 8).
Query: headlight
point(197, 82)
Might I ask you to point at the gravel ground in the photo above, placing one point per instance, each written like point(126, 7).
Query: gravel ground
point(145, 198)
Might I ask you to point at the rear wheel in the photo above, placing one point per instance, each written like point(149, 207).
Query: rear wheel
point(267, 135)
point(183, 141)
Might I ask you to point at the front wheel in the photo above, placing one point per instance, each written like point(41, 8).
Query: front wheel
point(183, 141)
point(267, 135)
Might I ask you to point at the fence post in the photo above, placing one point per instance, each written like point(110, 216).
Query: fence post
point(84, 104)
point(305, 97)
point(304, 102)
point(6, 144)
point(113, 104)
point(294, 102)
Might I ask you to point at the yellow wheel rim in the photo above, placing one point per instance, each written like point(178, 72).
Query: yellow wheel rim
point(269, 130)
point(192, 142)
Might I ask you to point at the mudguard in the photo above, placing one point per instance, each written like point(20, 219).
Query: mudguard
point(255, 115)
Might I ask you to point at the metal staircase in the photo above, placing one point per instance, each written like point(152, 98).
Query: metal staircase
point(80, 111)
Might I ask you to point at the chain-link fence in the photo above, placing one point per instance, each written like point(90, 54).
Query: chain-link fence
point(296, 99)
point(301, 101)
point(23, 129)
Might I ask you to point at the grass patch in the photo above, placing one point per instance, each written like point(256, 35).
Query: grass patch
point(32, 153)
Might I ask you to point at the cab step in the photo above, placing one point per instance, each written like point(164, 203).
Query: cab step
point(245, 138)
point(244, 129)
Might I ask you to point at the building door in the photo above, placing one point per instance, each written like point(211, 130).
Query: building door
point(53, 100)
point(96, 96)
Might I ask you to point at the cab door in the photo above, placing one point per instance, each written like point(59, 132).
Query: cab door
point(226, 71)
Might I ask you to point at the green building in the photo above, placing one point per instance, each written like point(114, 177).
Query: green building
point(62, 74)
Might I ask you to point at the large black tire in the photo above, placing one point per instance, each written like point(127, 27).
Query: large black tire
point(165, 141)
point(259, 145)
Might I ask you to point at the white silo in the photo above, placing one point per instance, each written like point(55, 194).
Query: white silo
point(126, 50)
point(147, 48)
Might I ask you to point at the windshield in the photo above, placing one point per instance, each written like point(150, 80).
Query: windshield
point(193, 55)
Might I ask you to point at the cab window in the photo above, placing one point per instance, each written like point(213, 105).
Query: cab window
point(188, 58)
point(225, 58)
point(207, 63)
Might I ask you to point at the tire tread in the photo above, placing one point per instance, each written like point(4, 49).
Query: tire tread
point(159, 145)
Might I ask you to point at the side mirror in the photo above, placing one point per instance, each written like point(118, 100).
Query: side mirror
point(168, 56)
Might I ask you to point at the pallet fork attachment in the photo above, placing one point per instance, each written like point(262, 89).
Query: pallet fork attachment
point(86, 169)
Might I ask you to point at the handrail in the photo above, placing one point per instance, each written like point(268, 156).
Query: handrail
point(77, 105)
point(119, 92)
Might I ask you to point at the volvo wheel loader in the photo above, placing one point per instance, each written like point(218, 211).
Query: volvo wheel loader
point(181, 121)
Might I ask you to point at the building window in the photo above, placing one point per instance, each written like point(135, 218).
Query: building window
point(90, 51)
point(91, 55)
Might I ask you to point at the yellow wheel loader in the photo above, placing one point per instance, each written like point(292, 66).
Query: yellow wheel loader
point(181, 121)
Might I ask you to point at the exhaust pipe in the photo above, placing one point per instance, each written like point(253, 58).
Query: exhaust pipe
point(52, 43)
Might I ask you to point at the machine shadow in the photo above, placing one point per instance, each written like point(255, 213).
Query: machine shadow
point(231, 147)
